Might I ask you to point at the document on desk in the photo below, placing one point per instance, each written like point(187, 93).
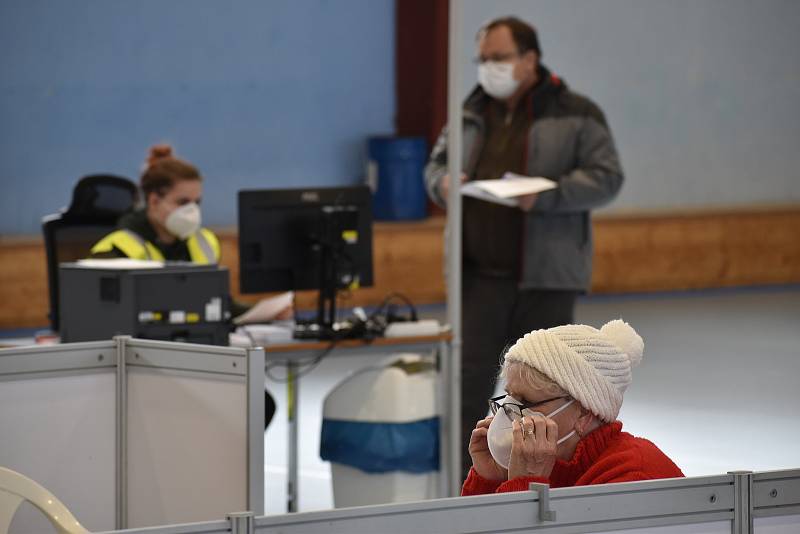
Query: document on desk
point(506, 190)
point(267, 309)
point(119, 263)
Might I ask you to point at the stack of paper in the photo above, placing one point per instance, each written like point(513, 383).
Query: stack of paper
point(506, 190)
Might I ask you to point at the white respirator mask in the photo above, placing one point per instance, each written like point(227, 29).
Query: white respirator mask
point(184, 221)
point(501, 432)
point(497, 79)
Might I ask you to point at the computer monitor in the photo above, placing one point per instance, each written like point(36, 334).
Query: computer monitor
point(307, 238)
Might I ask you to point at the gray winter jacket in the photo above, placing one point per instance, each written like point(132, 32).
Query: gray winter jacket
point(569, 142)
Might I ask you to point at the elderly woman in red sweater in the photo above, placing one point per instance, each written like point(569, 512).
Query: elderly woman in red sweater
point(557, 424)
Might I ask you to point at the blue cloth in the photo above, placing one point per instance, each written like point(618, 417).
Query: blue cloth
point(377, 447)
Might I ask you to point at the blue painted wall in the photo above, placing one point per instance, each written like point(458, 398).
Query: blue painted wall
point(703, 96)
point(274, 93)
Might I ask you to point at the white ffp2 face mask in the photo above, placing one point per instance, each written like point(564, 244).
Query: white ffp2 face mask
point(501, 433)
point(184, 221)
point(497, 79)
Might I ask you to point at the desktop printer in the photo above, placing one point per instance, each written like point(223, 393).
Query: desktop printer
point(172, 302)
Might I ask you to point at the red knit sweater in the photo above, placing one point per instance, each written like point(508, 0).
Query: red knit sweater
point(605, 455)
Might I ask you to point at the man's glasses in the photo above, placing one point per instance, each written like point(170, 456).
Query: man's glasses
point(514, 409)
point(495, 58)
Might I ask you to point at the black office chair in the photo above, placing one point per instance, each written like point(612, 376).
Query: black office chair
point(98, 201)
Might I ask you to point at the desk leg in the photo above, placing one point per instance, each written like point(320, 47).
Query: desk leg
point(292, 385)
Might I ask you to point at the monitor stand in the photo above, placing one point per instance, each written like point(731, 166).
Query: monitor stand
point(320, 330)
point(325, 327)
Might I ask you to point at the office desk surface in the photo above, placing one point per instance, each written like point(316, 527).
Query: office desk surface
point(384, 343)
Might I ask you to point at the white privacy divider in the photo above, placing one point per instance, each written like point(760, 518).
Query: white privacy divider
point(134, 433)
point(700, 505)
point(57, 427)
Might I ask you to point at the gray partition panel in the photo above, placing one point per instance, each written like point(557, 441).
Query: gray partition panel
point(700, 505)
point(585, 509)
point(23, 362)
point(786, 524)
point(208, 527)
point(135, 432)
point(57, 427)
point(188, 410)
point(776, 493)
point(186, 455)
point(714, 527)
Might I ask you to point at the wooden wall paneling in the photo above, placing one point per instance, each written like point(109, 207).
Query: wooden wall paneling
point(661, 252)
point(24, 298)
point(633, 253)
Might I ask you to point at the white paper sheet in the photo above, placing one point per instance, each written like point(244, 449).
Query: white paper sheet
point(506, 190)
point(266, 309)
point(119, 263)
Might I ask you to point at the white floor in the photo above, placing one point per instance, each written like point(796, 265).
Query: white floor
point(718, 388)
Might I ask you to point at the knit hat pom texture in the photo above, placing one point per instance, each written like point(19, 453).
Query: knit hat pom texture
point(625, 337)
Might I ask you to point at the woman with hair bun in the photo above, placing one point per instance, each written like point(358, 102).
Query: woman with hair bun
point(558, 422)
point(168, 228)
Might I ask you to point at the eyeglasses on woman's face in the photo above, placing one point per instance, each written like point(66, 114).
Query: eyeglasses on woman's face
point(513, 408)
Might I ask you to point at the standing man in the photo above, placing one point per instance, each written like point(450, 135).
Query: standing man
point(522, 267)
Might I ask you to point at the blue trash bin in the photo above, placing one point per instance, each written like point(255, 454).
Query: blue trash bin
point(396, 173)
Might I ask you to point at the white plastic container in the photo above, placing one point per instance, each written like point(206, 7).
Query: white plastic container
point(383, 419)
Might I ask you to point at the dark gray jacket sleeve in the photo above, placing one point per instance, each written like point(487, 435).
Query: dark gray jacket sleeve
point(596, 179)
point(436, 168)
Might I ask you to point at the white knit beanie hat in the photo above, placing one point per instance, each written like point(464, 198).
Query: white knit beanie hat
point(593, 366)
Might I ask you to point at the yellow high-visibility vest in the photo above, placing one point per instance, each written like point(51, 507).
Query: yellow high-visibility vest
point(203, 246)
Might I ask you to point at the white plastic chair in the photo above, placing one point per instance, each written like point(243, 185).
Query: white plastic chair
point(16, 488)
